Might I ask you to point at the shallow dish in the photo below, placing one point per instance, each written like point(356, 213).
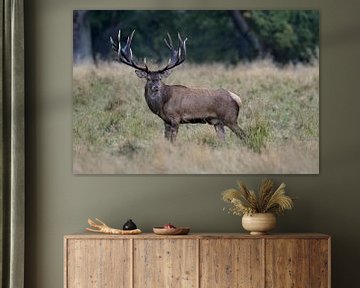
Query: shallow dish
point(171, 231)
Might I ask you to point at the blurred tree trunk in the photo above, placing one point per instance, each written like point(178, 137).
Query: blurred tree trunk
point(101, 43)
point(82, 47)
point(246, 32)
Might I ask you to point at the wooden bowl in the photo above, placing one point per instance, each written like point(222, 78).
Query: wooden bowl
point(171, 231)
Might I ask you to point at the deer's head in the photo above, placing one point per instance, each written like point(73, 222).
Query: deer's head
point(153, 77)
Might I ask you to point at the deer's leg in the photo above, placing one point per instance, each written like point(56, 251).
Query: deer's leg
point(171, 131)
point(220, 131)
point(174, 129)
point(237, 130)
point(167, 131)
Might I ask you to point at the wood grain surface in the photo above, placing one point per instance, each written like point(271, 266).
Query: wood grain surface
point(230, 263)
point(197, 260)
point(165, 263)
point(319, 263)
point(287, 263)
point(88, 235)
point(98, 263)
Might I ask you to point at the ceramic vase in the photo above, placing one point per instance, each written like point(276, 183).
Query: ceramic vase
point(259, 223)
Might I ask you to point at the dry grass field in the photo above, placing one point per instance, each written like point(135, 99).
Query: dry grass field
point(114, 132)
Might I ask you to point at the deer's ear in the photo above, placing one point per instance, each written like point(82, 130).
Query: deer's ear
point(165, 74)
point(141, 74)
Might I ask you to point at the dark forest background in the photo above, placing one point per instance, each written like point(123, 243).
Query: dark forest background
point(286, 36)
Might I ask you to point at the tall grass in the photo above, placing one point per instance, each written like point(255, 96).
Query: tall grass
point(115, 132)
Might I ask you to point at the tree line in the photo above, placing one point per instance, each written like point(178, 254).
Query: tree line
point(286, 36)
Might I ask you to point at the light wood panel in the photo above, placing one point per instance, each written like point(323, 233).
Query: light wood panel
point(98, 264)
point(231, 263)
point(197, 261)
point(89, 235)
point(287, 263)
point(165, 263)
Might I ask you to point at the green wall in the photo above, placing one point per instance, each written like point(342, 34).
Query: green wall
point(58, 203)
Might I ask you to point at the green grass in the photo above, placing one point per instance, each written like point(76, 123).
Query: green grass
point(115, 132)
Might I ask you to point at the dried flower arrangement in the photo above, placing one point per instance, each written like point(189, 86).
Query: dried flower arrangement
point(268, 200)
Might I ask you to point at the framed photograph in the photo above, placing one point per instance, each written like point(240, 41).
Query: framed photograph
point(195, 92)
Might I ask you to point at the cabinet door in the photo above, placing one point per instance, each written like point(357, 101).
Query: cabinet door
point(287, 263)
point(320, 263)
point(231, 263)
point(98, 263)
point(165, 263)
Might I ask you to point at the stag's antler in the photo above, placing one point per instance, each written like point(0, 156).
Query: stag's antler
point(177, 56)
point(125, 54)
point(101, 227)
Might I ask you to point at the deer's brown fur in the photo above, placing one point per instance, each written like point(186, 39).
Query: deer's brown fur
point(177, 104)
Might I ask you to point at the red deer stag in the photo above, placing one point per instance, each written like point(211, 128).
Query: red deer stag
point(177, 104)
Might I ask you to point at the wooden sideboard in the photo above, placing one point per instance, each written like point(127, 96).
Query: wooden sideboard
point(197, 260)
